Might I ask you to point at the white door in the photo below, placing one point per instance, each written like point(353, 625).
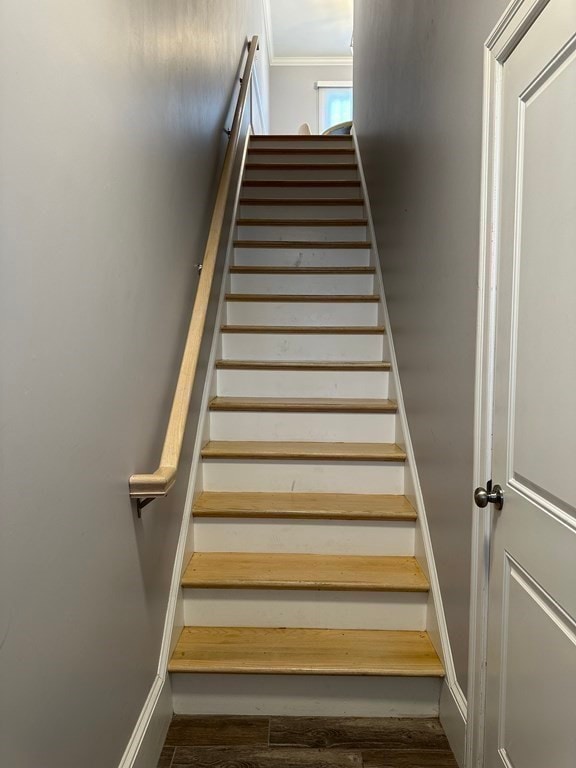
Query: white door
point(531, 666)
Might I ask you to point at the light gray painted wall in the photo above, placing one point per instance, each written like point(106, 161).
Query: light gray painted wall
point(418, 114)
point(110, 138)
point(293, 98)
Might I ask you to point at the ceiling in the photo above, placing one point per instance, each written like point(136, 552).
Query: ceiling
point(309, 31)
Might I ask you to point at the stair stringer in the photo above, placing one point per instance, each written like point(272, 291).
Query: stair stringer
point(453, 703)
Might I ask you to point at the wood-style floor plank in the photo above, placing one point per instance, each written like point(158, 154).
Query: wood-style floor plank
point(304, 404)
point(367, 733)
point(408, 758)
point(277, 450)
point(332, 506)
point(288, 651)
point(214, 731)
point(229, 757)
point(246, 570)
point(166, 756)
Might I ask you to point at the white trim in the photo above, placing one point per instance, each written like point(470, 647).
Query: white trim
point(451, 681)
point(311, 61)
point(172, 628)
point(333, 84)
point(256, 96)
point(512, 26)
point(453, 721)
point(267, 17)
point(134, 748)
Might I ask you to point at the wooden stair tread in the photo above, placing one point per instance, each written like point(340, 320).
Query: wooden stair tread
point(301, 365)
point(272, 270)
point(301, 151)
point(295, 450)
point(304, 404)
point(274, 166)
point(246, 222)
point(222, 570)
point(300, 183)
point(305, 651)
point(319, 244)
point(306, 298)
point(297, 137)
point(284, 201)
point(331, 506)
point(307, 329)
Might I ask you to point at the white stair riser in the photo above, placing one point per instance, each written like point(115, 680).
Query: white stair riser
point(328, 173)
point(304, 284)
point(288, 143)
point(305, 695)
point(304, 257)
point(303, 476)
point(247, 383)
point(316, 609)
point(315, 427)
point(299, 157)
point(301, 313)
point(316, 233)
point(315, 537)
point(312, 346)
point(331, 191)
point(300, 211)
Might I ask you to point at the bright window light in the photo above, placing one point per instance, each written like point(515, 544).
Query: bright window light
point(334, 104)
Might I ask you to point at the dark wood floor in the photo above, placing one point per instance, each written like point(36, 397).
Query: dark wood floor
point(305, 742)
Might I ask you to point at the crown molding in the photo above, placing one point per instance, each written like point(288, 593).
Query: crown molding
point(310, 61)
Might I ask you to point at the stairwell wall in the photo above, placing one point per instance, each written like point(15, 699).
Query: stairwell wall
point(111, 140)
point(418, 117)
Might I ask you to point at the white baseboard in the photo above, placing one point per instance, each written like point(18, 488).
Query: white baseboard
point(148, 736)
point(453, 720)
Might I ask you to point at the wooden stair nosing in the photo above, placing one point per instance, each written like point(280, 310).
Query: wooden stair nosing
point(273, 166)
point(330, 506)
point(303, 405)
point(246, 570)
point(305, 298)
point(352, 245)
point(285, 201)
point(246, 222)
point(301, 183)
point(302, 365)
point(307, 330)
point(263, 650)
point(273, 270)
point(269, 137)
point(301, 151)
point(270, 450)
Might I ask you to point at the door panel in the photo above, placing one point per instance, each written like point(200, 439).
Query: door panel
point(531, 666)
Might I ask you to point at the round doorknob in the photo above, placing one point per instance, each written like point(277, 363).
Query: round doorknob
point(483, 497)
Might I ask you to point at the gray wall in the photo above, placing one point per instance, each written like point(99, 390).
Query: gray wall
point(110, 140)
point(293, 98)
point(418, 112)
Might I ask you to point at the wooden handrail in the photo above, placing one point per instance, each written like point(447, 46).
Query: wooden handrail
point(158, 483)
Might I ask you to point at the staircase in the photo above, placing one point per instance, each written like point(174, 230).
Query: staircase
point(303, 595)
